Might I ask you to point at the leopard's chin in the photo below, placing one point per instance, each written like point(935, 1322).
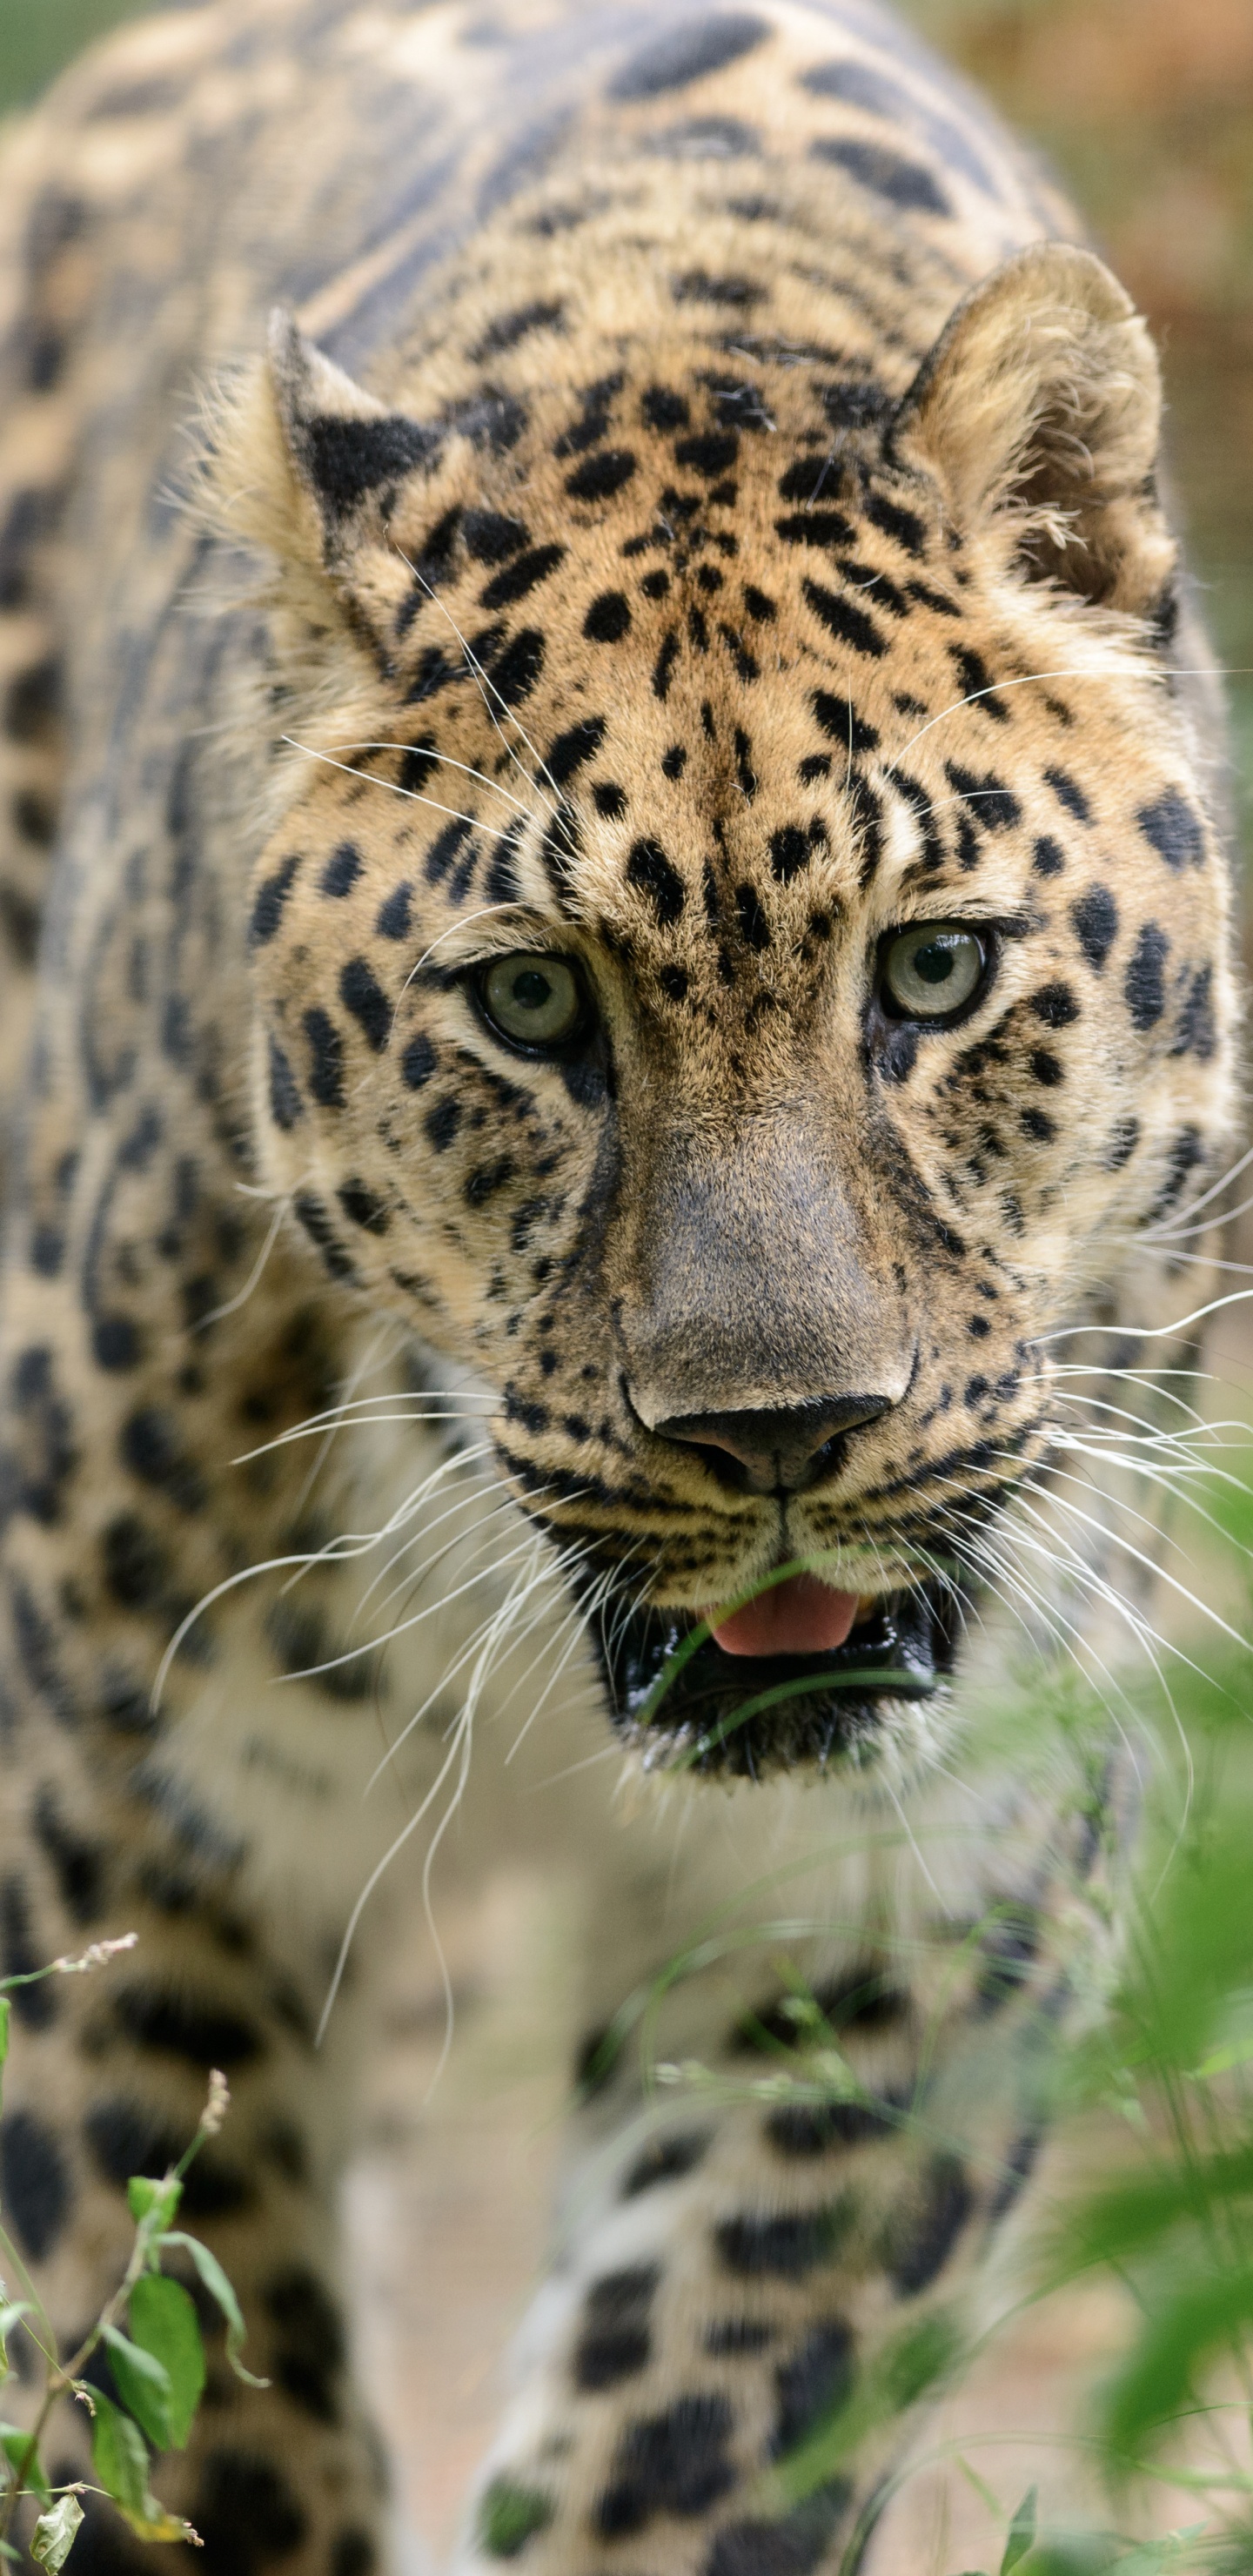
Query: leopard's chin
point(685, 1706)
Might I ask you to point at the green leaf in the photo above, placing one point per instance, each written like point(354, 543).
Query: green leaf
point(143, 2384)
point(24, 2462)
point(119, 2455)
point(10, 2317)
point(154, 2200)
point(55, 2532)
point(1021, 2532)
point(219, 2288)
point(4, 2028)
point(163, 2321)
point(1184, 2327)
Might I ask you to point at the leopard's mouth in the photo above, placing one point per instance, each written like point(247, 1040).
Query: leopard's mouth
point(684, 1703)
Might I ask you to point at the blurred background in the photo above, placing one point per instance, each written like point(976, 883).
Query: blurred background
point(1145, 109)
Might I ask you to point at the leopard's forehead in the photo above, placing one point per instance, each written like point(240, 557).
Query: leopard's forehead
point(687, 679)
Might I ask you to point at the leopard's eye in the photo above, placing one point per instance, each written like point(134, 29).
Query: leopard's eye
point(931, 971)
point(533, 1001)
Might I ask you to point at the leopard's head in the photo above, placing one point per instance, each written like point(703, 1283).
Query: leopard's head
point(741, 962)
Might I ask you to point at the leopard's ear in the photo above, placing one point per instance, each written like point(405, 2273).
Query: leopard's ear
point(1039, 410)
point(303, 461)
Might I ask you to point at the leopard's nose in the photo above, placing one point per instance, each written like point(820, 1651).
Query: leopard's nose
point(780, 1451)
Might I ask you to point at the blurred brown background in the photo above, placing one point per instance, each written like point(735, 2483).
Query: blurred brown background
point(1145, 107)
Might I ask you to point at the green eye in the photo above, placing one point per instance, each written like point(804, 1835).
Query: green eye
point(533, 1001)
point(932, 971)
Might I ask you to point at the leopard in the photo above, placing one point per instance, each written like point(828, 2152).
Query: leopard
point(619, 1009)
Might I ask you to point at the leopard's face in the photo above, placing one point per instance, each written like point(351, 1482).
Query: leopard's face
point(753, 979)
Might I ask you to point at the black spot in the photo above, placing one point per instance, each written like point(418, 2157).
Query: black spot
point(813, 528)
point(608, 619)
point(650, 870)
point(286, 1105)
point(734, 2335)
point(839, 720)
point(666, 2160)
point(126, 2137)
point(134, 1562)
point(1124, 1138)
point(689, 52)
point(789, 852)
point(363, 995)
point(609, 800)
point(696, 286)
point(1196, 1034)
point(326, 1058)
point(905, 526)
point(393, 918)
point(888, 174)
point(34, 2183)
point(792, 2546)
point(363, 1208)
point(1185, 1154)
point(1008, 1948)
point(310, 2346)
point(711, 454)
point(310, 1213)
point(342, 870)
point(1173, 830)
point(805, 2129)
point(36, 2006)
point(152, 1449)
point(1055, 1004)
point(354, 2554)
point(848, 623)
point(992, 803)
point(663, 669)
point(813, 2385)
point(246, 2514)
point(760, 607)
point(444, 848)
point(1095, 917)
point(1069, 793)
point(665, 410)
point(671, 2463)
point(1047, 856)
point(519, 667)
point(491, 538)
point(443, 1122)
point(753, 922)
point(1142, 983)
point(919, 2252)
point(655, 585)
point(348, 458)
point(601, 475)
point(205, 2034)
point(509, 329)
point(572, 749)
point(787, 2247)
point(1045, 1068)
point(484, 1183)
point(524, 574)
point(615, 2341)
point(267, 911)
point(674, 761)
point(76, 1861)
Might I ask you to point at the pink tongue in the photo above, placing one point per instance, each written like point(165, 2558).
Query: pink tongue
point(799, 1617)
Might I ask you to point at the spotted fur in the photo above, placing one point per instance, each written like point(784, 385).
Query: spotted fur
point(676, 494)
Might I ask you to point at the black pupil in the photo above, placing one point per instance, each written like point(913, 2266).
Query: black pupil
point(935, 963)
point(531, 990)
